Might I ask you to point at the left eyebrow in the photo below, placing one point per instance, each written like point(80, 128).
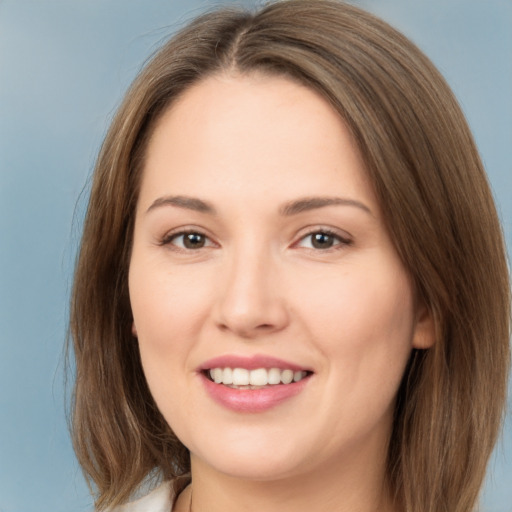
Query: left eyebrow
point(186, 202)
point(312, 203)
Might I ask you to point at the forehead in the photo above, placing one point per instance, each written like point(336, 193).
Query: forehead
point(254, 135)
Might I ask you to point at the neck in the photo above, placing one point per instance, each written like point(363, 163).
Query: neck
point(336, 488)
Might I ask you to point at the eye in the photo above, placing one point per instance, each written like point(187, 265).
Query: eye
point(323, 240)
point(188, 240)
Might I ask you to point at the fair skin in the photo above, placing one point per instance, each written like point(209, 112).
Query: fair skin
point(265, 272)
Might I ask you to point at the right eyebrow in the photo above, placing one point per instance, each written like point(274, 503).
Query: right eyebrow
point(312, 203)
point(186, 202)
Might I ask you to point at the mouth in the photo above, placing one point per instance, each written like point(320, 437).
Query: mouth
point(253, 384)
point(258, 378)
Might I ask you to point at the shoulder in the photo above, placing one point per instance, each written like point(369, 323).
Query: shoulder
point(158, 500)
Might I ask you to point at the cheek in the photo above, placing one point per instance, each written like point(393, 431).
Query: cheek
point(167, 307)
point(364, 328)
point(363, 322)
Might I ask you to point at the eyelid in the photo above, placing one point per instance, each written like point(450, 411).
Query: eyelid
point(344, 239)
point(168, 238)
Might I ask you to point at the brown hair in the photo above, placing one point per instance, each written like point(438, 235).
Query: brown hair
point(436, 203)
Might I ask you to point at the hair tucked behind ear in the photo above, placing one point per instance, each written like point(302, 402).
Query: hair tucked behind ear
point(437, 206)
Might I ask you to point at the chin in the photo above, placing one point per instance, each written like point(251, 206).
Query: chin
point(253, 460)
point(259, 468)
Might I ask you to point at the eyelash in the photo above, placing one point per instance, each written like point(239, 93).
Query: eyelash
point(169, 238)
point(341, 241)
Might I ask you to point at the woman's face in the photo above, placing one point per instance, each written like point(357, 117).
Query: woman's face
point(260, 256)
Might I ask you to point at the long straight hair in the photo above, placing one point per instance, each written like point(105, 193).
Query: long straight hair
point(423, 164)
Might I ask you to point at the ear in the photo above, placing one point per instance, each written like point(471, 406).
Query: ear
point(134, 330)
point(424, 330)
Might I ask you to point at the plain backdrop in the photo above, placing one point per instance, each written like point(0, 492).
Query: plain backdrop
point(64, 65)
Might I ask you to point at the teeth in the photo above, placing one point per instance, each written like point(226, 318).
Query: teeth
point(217, 375)
point(240, 376)
point(249, 379)
point(274, 376)
point(286, 376)
point(227, 376)
point(258, 377)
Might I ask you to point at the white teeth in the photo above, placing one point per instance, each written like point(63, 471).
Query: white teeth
point(258, 377)
point(238, 377)
point(227, 376)
point(286, 376)
point(274, 376)
point(217, 375)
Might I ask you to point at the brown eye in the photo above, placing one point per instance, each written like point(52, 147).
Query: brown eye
point(188, 240)
point(193, 240)
point(322, 240)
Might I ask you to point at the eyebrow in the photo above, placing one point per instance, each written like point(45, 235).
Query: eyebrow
point(312, 203)
point(288, 209)
point(189, 203)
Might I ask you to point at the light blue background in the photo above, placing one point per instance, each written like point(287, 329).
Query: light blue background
point(64, 66)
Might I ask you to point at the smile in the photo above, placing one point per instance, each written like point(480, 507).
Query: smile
point(242, 378)
point(253, 384)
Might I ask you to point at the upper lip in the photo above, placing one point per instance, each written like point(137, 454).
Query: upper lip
point(250, 363)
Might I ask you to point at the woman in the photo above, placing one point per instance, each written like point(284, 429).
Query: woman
point(292, 288)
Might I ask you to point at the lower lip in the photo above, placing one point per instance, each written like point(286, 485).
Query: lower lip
point(252, 400)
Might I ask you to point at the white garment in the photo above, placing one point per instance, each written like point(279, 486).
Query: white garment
point(158, 500)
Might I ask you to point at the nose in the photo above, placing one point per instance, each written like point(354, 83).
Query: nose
point(251, 302)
